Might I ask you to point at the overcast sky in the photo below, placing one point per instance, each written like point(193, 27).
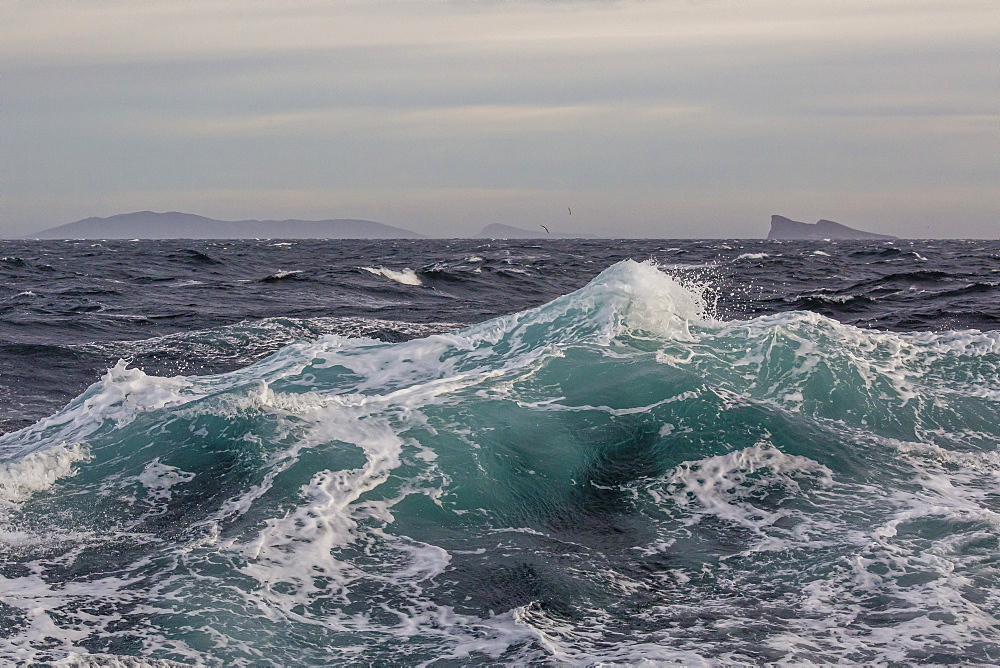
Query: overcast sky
point(651, 119)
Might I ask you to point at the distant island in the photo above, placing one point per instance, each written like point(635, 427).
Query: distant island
point(785, 228)
point(175, 225)
point(498, 231)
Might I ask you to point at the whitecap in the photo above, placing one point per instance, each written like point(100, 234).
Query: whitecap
point(278, 275)
point(38, 471)
point(406, 277)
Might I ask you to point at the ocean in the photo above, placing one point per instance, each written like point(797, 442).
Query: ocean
point(469, 452)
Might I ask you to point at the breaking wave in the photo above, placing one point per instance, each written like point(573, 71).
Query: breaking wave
point(615, 476)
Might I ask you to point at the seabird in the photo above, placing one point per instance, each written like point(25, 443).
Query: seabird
point(546, 229)
point(570, 210)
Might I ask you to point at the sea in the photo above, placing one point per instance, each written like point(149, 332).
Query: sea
point(489, 453)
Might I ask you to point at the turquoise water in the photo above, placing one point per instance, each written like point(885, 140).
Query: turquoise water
point(617, 475)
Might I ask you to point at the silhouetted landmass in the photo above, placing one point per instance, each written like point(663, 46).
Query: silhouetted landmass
point(175, 225)
point(785, 228)
point(498, 231)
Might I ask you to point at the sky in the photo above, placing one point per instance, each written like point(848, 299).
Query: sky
point(668, 119)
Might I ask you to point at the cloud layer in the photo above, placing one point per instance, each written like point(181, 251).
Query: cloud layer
point(649, 119)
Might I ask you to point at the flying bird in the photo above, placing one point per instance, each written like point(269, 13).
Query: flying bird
point(570, 210)
point(546, 229)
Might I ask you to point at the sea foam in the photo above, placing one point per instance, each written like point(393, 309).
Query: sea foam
point(405, 276)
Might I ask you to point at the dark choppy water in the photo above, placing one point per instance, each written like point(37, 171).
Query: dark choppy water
point(466, 452)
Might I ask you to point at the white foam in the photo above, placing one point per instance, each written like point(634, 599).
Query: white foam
point(627, 298)
point(46, 631)
point(881, 369)
point(120, 395)
point(45, 451)
point(285, 274)
point(752, 256)
point(100, 660)
point(38, 471)
point(717, 485)
point(982, 462)
point(406, 276)
point(158, 478)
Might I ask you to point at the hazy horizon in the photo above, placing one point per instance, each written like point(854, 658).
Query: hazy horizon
point(668, 119)
point(294, 232)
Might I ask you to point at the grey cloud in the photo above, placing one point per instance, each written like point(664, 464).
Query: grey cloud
point(636, 106)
